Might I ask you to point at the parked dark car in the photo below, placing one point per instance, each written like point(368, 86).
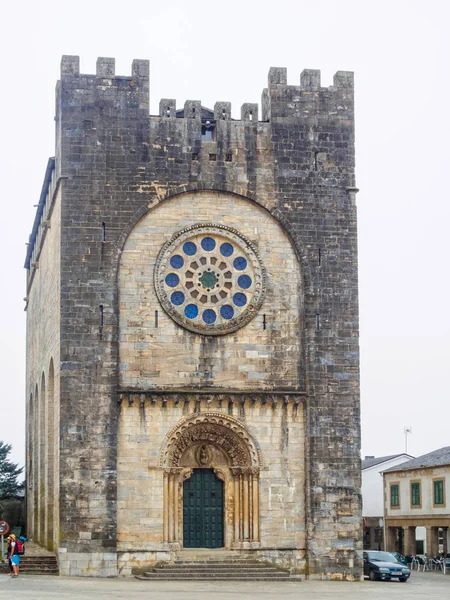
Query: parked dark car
point(384, 565)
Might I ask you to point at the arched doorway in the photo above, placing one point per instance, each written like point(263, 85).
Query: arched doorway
point(203, 510)
point(211, 448)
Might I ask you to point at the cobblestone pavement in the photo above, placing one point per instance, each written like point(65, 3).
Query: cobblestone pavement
point(421, 585)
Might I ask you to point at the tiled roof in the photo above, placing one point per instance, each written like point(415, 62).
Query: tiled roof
point(371, 462)
point(432, 459)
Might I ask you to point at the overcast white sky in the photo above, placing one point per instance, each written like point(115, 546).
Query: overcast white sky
point(212, 51)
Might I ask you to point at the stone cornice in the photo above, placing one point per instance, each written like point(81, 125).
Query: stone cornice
point(162, 397)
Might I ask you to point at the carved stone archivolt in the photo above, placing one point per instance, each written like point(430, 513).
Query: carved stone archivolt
point(220, 442)
point(216, 431)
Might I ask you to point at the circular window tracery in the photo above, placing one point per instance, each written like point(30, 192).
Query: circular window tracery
point(210, 279)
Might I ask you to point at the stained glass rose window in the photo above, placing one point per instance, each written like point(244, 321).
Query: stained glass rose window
point(210, 279)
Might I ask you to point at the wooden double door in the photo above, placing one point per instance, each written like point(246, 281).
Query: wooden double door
point(203, 510)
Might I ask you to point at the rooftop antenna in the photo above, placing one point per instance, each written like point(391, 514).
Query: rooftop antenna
point(406, 431)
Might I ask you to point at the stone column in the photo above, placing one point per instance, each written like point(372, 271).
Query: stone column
point(409, 540)
point(404, 540)
point(255, 511)
point(250, 506)
point(246, 505)
point(237, 509)
point(432, 541)
point(175, 506)
point(391, 537)
point(165, 506)
point(246, 535)
point(241, 506)
point(170, 509)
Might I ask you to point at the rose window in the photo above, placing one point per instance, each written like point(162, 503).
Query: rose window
point(210, 279)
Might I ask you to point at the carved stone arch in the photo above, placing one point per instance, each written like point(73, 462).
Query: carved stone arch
point(36, 444)
point(50, 456)
point(217, 429)
point(42, 439)
point(220, 442)
point(30, 434)
point(239, 191)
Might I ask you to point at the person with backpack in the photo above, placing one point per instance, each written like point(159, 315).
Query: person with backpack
point(13, 555)
point(20, 544)
point(8, 541)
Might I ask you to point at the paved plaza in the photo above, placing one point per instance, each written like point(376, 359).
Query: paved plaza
point(421, 585)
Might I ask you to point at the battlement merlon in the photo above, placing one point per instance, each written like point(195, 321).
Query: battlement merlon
point(70, 67)
point(310, 98)
point(168, 108)
point(105, 81)
point(310, 79)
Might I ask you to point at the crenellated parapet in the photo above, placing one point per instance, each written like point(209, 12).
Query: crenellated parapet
point(70, 67)
point(114, 91)
point(279, 100)
point(309, 99)
point(307, 129)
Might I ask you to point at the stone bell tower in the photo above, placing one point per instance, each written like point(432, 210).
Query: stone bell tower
point(192, 314)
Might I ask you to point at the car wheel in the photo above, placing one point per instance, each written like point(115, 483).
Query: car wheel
point(403, 579)
point(372, 575)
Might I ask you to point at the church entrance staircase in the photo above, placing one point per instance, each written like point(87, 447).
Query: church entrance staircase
point(216, 565)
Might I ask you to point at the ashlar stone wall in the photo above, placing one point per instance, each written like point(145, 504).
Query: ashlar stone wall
point(156, 352)
point(279, 431)
point(42, 383)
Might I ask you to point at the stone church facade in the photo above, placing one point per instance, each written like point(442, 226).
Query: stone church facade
point(192, 328)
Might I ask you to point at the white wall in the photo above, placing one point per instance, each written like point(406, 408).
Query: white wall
point(372, 486)
point(425, 476)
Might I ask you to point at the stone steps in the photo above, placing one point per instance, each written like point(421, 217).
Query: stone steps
point(218, 571)
point(218, 563)
point(39, 565)
point(231, 569)
point(199, 567)
point(212, 578)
